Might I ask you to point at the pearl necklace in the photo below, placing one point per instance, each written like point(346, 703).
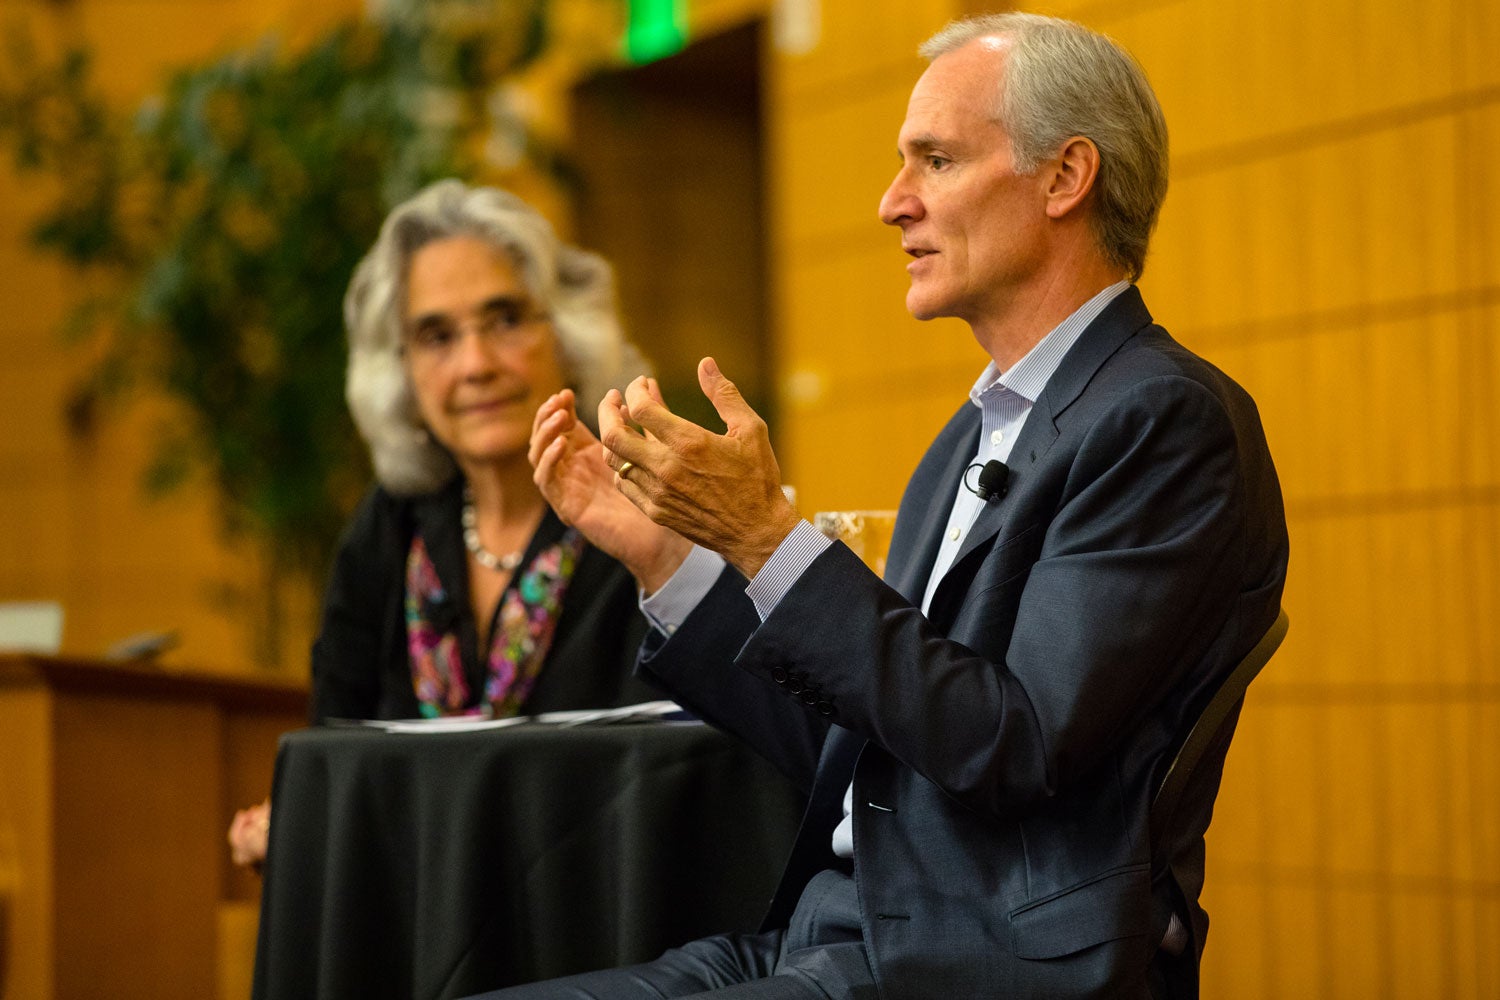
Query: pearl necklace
point(499, 564)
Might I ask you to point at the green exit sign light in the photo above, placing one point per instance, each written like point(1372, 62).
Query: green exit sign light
point(656, 29)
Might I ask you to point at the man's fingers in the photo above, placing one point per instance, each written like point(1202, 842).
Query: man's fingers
point(646, 408)
point(611, 419)
point(637, 495)
point(725, 396)
point(623, 443)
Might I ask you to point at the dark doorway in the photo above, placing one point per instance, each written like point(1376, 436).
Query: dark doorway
point(669, 161)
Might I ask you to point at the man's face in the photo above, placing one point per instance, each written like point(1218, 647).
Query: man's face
point(973, 226)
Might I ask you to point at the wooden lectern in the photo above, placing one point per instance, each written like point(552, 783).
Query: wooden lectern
point(117, 785)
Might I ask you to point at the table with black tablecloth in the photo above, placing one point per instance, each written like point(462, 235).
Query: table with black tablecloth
point(441, 865)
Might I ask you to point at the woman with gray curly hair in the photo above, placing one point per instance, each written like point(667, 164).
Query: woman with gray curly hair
point(456, 585)
point(456, 589)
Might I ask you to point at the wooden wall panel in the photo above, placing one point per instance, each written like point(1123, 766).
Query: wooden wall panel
point(862, 386)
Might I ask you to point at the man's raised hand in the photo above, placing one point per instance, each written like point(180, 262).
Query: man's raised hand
point(722, 491)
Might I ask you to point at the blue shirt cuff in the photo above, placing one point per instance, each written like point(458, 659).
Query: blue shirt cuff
point(785, 567)
point(670, 606)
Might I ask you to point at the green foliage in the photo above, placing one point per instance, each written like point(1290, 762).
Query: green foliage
point(224, 219)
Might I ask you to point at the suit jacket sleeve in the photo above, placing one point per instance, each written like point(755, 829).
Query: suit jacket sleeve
point(1076, 625)
point(697, 667)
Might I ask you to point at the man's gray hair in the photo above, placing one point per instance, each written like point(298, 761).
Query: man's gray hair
point(574, 287)
point(1062, 80)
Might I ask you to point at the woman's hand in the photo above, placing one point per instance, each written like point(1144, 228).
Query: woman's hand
point(570, 472)
point(248, 832)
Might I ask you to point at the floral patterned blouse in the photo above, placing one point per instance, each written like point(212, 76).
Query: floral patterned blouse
point(520, 635)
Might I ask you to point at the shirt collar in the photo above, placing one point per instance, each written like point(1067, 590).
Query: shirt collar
point(1029, 376)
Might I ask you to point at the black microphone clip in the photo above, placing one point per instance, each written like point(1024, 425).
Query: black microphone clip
point(994, 477)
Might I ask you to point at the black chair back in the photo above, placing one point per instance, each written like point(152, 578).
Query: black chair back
point(1164, 805)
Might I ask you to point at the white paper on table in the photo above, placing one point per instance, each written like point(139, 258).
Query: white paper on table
point(647, 711)
point(448, 724)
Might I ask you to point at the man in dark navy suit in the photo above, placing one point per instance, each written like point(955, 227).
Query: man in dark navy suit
point(982, 732)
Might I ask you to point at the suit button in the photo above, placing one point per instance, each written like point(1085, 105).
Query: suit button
point(795, 685)
point(825, 709)
point(809, 698)
point(778, 674)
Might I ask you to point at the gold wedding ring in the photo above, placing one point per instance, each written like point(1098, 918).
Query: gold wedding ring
point(625, 467)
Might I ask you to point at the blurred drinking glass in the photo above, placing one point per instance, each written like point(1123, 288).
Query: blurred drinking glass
point(866, 532)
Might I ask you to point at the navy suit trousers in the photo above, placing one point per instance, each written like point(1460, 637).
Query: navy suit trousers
point(820, 955)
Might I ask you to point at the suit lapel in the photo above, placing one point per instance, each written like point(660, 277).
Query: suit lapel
point(927, 504)
point(1120, 320)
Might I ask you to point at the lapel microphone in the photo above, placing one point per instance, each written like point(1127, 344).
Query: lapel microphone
point(993, 477)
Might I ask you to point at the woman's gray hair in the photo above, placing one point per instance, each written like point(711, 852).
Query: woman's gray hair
point(1063, 80)
point(575, 287)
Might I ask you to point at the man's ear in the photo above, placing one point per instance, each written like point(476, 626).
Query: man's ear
point(1074, 171)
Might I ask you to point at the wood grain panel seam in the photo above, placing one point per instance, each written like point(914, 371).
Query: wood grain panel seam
point(1275, 145)
point(1364, 314)
point(877, 391)
point(821, 95)
point(846, 242)
point(1097, 14)
point(1334, 694)
point(1383, 883)
point(1396, 502)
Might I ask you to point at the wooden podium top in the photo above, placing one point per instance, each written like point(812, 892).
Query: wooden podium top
point(76, 675)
